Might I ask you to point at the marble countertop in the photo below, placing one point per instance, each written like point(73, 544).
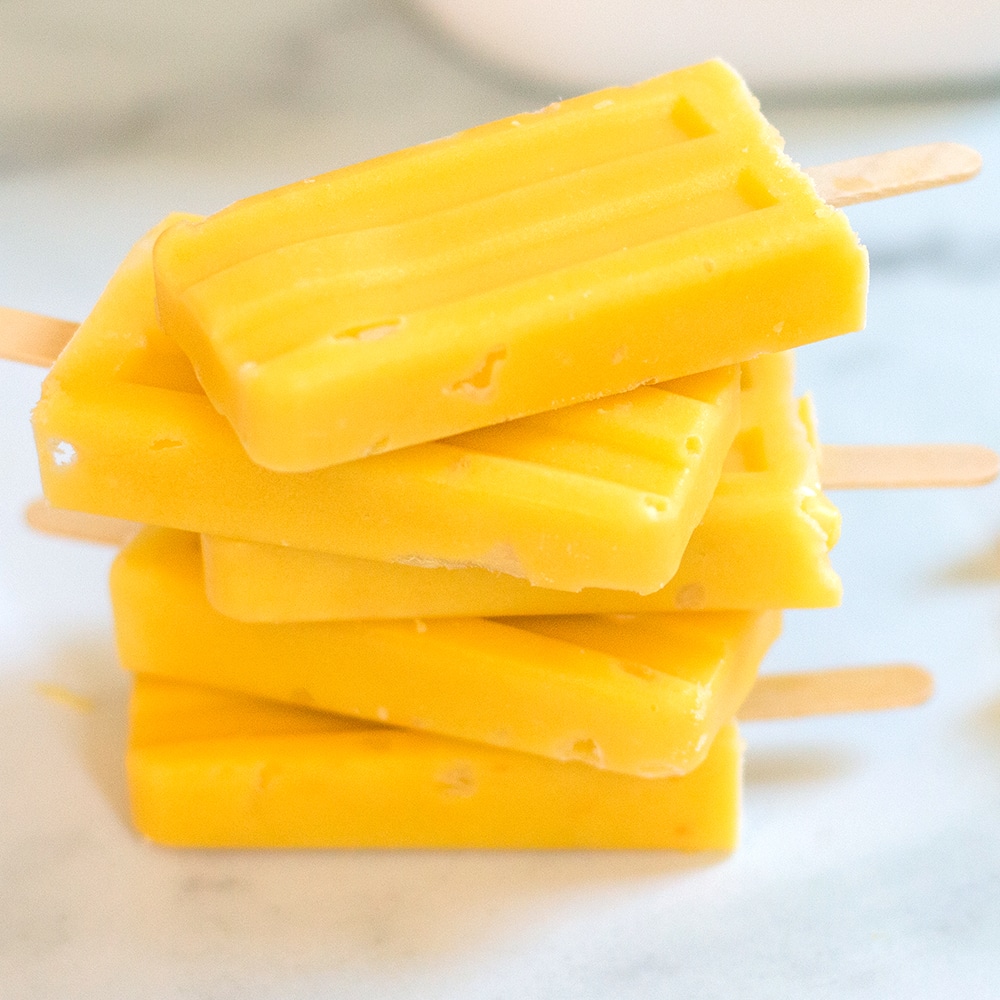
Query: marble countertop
point(869, 865)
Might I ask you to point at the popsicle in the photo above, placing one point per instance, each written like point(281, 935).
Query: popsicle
point(763, 543)
point(216, 769)
point(633, 235)
point(210, 768)
point(641, 694)
point(605, 493)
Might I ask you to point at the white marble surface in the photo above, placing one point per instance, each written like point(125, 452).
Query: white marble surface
point(869, 865)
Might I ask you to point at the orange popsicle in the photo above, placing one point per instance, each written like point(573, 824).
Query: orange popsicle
point(633, 235)
point(216, 769)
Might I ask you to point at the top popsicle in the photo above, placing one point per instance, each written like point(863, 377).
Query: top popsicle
point(637, 234)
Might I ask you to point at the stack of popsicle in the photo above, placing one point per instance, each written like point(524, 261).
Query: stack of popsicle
point(500, 481)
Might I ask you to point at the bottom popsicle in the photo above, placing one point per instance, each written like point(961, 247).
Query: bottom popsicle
point(214, 769)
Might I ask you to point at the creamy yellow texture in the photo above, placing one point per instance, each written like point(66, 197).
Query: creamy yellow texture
point(214, 769)
point(632, 235)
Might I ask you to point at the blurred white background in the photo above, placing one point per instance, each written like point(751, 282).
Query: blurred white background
point(803, 44)
point(74, 74)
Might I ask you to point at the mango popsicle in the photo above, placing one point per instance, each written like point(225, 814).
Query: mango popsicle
point(606, 493)
point(632, 235)
point(641, 695)
point(763, 543)
point(214, 769)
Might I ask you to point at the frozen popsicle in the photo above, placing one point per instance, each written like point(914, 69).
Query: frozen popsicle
point(210, 768)
point(763, 543)
point(216, 769)
point(603, 494)
point(632, 235)
point(641, 694)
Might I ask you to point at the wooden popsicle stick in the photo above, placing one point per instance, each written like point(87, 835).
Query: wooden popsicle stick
point(31, 338)
point(49, 520)
point(837, 691)
point(898, 171)
point(899, 466)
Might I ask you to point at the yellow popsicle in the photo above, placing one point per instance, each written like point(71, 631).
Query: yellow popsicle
point(605, 493)
point(641, 694)
point(763, 543)
point(214, 769)
point(632, 235)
